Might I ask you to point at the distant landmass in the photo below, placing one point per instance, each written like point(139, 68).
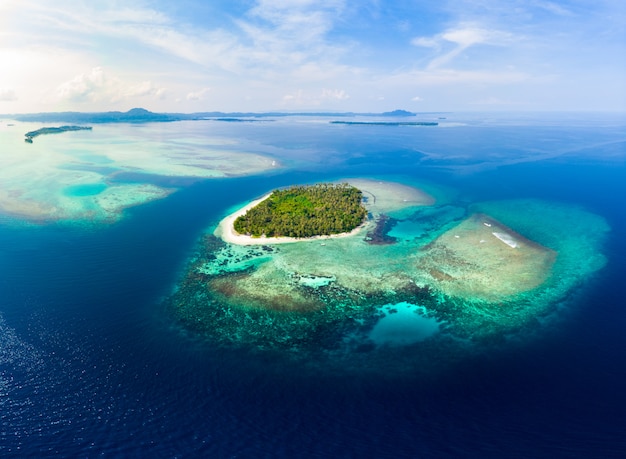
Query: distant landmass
point(136, 115)
point(53, 130)
point(398, 113)
point(141, 115)
point(388, 123)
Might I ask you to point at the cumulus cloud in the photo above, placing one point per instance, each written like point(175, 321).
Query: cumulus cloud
point(198, 95)
point(146, 88)
point(7, 95)
point(295, 98)
point(98, 86)
point(308, 98)
point(272, 40)
point(335, 94)
point(83, 87)
point(416, 99)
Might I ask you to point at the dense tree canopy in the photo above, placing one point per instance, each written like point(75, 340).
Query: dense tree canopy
point(305, 211)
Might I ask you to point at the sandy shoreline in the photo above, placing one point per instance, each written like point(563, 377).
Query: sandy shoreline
point(382, 197)
point(225, 230)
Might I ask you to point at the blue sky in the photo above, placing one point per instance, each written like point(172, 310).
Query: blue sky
point(344, 55)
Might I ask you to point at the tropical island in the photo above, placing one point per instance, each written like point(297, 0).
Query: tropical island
point(53, 130)
point(423, 270)
point(305, 211)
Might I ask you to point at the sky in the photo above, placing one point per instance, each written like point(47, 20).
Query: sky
point(312, 55)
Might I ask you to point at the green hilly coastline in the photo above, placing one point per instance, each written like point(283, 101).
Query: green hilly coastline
point(54, 130)
point(135, 115)
point(141, 115)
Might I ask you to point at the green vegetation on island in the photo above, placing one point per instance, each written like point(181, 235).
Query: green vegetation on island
point(305, 211)
point(53, 130)
point(141, 115)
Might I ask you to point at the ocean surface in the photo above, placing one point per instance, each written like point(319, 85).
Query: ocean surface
point(93, 364)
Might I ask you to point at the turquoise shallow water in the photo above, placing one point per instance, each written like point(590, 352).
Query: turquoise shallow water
point(91, 189)
point(93, 363)
point(403, 324)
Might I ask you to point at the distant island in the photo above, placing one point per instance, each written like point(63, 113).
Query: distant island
point(135, 115)
point(141, 115)
point(305, 211)
point(239, 120)
point(53, 130)
point(398, 113)
point(388, 123)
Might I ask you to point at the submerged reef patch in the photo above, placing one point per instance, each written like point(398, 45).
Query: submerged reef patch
point(62, 178)
point(461, 276)
point(483, 259)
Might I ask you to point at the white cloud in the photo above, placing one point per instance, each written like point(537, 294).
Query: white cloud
point(99, 86)
point(464, 36)
point(335, 94)
point(289, 33)
point(7, 95)
point(290, 13)
point(468, 36)
point(305, 53)
point(302, 98)
point(295, 98)
point(198, 95)
point(416, 99)
point(146, 88)
point(83, 87)
point(273, 41)
point(274, 38)
point(445, 77)
point(426, 42)
point(553, 8)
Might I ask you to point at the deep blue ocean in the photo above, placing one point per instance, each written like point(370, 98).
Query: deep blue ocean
point(93, 365)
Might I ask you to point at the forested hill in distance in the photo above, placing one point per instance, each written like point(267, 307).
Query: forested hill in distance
point(141, 115)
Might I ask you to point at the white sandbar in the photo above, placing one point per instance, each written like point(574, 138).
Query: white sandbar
point(384, 197)
point(506, 238)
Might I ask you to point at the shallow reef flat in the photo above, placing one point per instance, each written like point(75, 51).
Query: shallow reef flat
point(454, 277)
point(482, 258)
point(388, 197)
point(76, 177)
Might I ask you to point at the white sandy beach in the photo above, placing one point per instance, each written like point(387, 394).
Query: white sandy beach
point(387, 196)
point(226, 231)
